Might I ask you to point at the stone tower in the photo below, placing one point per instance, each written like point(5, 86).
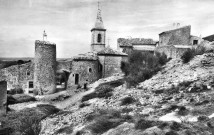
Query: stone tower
point(98, 34)
point(45, 67)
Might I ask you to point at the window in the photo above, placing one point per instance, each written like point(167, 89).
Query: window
point(89, 70)
point(195, 42)
point(28, 72)
point(99, 38)
point(30, 84)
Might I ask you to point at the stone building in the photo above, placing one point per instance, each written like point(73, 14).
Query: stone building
point(86, 69)
point(111, 61)
point(141, 44)
point(45, 67)
point(19, 76)
point(175, 42)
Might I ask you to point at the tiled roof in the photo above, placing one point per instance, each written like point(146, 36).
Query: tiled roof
point(110, 51)
point(135, 41)
point(87, 56)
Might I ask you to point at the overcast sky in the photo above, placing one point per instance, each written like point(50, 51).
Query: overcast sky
point(68, 22)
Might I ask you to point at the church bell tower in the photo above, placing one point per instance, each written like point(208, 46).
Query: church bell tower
point(98, 33)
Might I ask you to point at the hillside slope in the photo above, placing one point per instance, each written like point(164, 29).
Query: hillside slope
point(177, 100)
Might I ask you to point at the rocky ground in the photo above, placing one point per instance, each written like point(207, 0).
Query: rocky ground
point(177, 100)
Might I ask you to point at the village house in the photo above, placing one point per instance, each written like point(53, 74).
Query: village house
point(141, 44)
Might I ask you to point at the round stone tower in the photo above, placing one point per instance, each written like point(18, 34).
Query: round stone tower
point(45, 67)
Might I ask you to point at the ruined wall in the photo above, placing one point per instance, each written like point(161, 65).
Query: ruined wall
point(45, 67)
point(111, 64)
point(3, 97)
point(179, 36)
point(88, 71)
point(18, 76)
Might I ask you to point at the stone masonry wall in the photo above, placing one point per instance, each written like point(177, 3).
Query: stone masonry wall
point(18, 76)
point(45, 67)
point(171, 51)
point(179, 36)
point(111, 64)
point(86, 75)
point(3, 97)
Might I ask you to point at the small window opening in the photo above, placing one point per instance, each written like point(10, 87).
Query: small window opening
point(30, 84)
point(195, 42)
point(99, 38)
point(89, 70)
point(28, 72)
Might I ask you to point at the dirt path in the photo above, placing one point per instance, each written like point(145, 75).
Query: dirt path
point(73, 99)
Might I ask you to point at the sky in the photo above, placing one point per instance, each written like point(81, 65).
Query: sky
point(68, 22)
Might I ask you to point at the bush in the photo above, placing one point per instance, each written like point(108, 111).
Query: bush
point(143, 124)
point(142, 66)
point(191, 53)
point(66, 130)
point(103, 120)
point(103, 91)
point(127, 100)
point(175, 126)
point(16, 91)
point(83, 105)
point(20, 98)
point(27, 121)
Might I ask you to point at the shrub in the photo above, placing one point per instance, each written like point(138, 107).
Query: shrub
point(66, 130)
point(190, 53)
point(171, 133)
point(16, 91)
point(89, 96)
point(83, 105)
point(27, 121)
point(103, 120)
point(103, 91)
point(142, 66)
point(183, 111)
point(143, 124)
point(20, 98)
point(203, 118)
point(175, 126)
point(30, 126)
point(127, 100)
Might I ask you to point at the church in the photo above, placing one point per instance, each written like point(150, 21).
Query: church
point(45, 74)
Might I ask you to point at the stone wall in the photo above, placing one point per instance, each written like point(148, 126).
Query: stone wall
point(111, 64)
point(45, 67)
point(171, 51)
point(65, 65)
point(87, 70)
point(180, 36)
point(18, 76)
point(3, 97)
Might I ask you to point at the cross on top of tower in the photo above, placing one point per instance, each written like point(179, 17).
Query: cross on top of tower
point(44, 36)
